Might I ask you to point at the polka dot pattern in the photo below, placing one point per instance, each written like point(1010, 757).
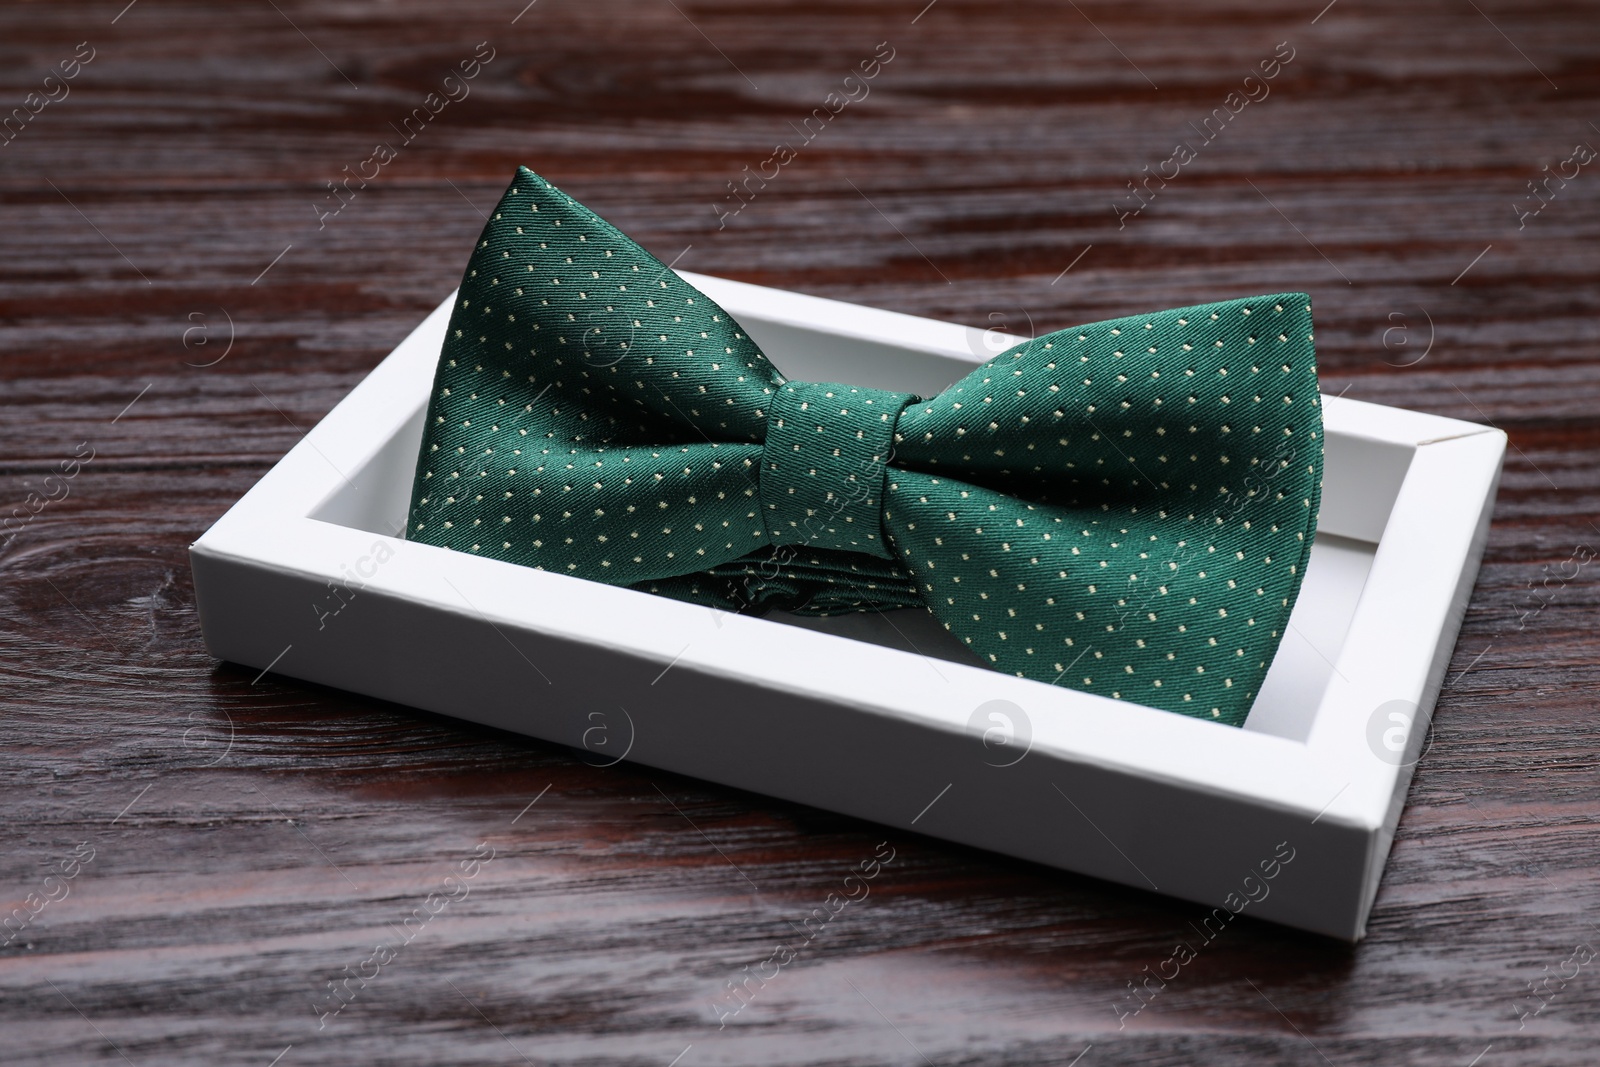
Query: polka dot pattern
point(1123, 508)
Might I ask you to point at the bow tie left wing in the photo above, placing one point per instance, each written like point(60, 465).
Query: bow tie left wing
point(592, 413)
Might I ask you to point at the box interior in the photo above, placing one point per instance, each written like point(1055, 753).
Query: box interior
point(1362, 479)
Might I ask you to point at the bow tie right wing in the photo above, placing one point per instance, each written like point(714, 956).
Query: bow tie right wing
point(1124, 508)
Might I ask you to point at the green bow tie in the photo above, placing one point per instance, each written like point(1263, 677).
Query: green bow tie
point(1124, 508)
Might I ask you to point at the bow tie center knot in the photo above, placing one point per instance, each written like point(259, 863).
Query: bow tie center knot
point(823, 464)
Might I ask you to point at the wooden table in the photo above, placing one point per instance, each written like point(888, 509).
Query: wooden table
point(178, 300)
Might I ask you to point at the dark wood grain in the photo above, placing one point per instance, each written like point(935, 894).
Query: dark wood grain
point(253, 837)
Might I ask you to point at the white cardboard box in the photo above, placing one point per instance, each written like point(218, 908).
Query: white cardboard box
point(884, 717)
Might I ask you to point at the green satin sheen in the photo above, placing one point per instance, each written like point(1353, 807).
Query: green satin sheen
point(1123, 508)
